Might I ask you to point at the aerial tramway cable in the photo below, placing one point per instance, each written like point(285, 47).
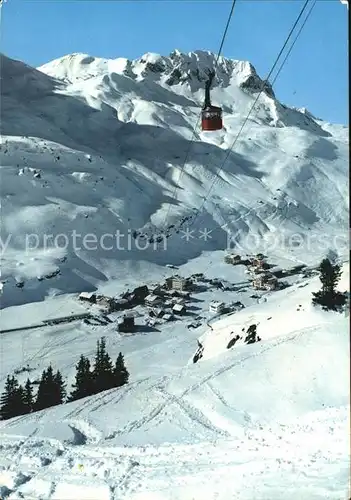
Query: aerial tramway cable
point(292, 45)
point(276, 76)
point(250, 111)
point(197, 122)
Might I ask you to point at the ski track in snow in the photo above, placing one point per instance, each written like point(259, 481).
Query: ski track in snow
point(123, 471)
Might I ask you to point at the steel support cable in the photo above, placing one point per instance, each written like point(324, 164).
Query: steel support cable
point(279, 70)
point(250, 111)
point(278, 73)
point(292, 45)
point(197, 122)
point(282, 65)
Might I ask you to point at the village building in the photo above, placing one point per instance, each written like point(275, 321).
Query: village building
point(198, 276)
point(216, 306)
point(255, 270)
point(156, 290)
point(104, 303)
point(151, 321)
point(88, 296)
point(157, 312)
point(258, 263)
point(127, 323)
point(152, 300)
point(217, 283)
point(238, 305)
point(178, 283)
point(265, 282)
point(232, 259)
point(179, 309)
point(109, 304)
point(137, 296)
point(140, 293)
point(119, 304)
point(258, 283)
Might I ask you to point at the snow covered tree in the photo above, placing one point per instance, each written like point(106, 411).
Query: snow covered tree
point(120, 372)
point(103, 370)
point(329, 297)
point(84, 380)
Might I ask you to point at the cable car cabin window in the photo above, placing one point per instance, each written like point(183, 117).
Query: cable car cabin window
point(212, 115)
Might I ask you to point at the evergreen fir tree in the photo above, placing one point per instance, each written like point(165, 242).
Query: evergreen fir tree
point(59, 389)
point(19, 404)
point(7, 400)
point(51, 390)
point(103, 370)
point(43, 399)
point(97, 367)
point(328, 297)
point(12, 401)
point(28, 396)
point(84, 380)
point(120, 372)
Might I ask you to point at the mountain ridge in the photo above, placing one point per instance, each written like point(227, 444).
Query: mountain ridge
point(100, 143)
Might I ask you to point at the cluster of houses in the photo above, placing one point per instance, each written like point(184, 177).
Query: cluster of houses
point(108, 305)
point(168, 301)
point(162, 301)
point(262, 279)
point(258, 268)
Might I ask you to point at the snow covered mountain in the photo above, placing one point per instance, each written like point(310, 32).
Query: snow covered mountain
point(95, 146)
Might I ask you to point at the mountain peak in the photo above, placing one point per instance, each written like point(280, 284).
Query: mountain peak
point(234, 86)
point(178, 68)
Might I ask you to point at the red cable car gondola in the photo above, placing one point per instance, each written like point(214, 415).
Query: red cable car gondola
point(211, 116)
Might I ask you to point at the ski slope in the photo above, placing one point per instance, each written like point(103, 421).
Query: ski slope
point(259, 421)
point(283, 315)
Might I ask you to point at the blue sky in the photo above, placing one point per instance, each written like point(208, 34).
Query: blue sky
point(315, 75)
